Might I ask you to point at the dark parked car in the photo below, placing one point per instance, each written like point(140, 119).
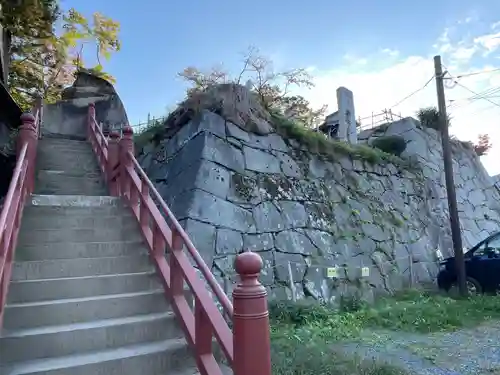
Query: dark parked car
point(482, 268)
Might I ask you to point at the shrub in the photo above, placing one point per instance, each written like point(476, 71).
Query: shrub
point(299, 313)
point(429, 118)
point(392, 144)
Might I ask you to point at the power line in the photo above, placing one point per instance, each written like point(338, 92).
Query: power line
point(475, 93)
point(479, 72)
point(399, 102)
point(489, 93)
point(413, 93)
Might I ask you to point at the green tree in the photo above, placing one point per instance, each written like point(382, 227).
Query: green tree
point(42, 60)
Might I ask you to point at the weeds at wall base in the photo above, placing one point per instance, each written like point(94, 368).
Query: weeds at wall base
point(304, 333)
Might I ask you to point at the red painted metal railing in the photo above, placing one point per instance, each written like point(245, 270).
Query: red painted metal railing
point(247, 346)
point(20, 187)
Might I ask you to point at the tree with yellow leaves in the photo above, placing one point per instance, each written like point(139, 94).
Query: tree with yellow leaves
point(43, 60)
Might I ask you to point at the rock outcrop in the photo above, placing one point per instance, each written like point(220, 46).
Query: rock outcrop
point(319, 223)
point(68, 116)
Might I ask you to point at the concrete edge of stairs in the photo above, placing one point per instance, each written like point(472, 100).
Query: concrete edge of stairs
point(74, 200)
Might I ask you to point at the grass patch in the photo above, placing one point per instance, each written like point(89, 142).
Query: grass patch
point(304, 333)
point(297, 354)
point(422, 312)
point(302, 339)
point(318, 143)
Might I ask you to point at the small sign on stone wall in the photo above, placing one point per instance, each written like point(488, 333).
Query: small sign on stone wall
point(332, 272)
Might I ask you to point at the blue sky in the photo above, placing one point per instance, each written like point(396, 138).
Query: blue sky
point(343, 42)
point(160, 38)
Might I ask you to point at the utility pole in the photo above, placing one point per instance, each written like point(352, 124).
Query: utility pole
point(456, 236)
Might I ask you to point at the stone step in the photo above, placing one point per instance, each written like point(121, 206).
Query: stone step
point(76, 211)
point(73, 191)
point(98, 234)
point(49, 182)
point(49, 135)
point(66, 153)
point(53, 148)
point(79, 287)
point(57, 221)
point(85, 309)
point(56, 154)
point(51, 269)
point(62, 340)
point(74, 200)
point(74, 173)
point(74, 250)
point(49, 143)
point(171, 357)
point(83, 165)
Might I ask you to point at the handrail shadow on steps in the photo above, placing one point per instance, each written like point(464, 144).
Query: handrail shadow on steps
point(247, 347)
point(20, 187)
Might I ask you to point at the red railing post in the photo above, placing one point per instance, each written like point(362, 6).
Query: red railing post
point(90, 120)
point(28, 134)
point(126, 146)
point(251, 336)
point(113, 163)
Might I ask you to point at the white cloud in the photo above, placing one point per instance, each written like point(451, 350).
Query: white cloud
point(489, 42)
point(382, 87)
point(354, 60)
point(391, 52)
point(464, 53)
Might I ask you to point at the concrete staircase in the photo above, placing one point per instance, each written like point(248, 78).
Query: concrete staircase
point(84, 299)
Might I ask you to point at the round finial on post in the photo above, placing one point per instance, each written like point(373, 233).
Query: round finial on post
point(128, 131)
point(28, 119)
point(251, 334)
point(114, 135)
point(248, 264)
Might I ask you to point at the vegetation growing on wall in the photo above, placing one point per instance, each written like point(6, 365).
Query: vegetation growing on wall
point(272, 88)
point(429, 118)
point(42, 59)
point(318, 143)
point(392, 144)
point(152, 133)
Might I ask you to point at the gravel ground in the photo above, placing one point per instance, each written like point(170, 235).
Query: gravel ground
point(473, 351)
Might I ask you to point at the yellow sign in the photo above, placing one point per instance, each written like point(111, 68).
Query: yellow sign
point(365, 272)
point(332, 272)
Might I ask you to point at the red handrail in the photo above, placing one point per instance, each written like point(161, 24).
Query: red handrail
point(247, 347)
point(21, 185)
point(98, 140)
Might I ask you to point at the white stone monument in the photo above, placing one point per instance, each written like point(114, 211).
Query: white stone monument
point(342, 123)
point(347, 120)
